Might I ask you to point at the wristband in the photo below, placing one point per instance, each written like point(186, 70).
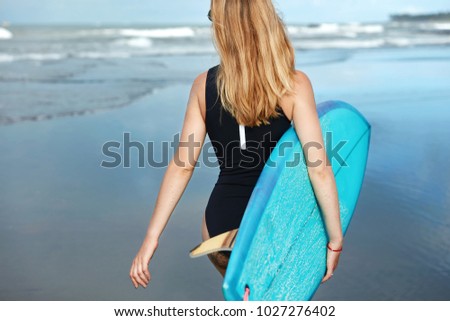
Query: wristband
point(328, 246)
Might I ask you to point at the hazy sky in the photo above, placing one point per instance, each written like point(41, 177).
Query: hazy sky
point(194, 11)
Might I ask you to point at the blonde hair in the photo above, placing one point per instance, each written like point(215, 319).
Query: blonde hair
point(257, 59)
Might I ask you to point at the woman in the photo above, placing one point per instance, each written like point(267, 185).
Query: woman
point(254, 92)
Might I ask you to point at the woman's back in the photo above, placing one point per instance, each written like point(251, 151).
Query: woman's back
point(242, 154)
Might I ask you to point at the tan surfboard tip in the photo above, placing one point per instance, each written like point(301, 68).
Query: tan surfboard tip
point(221, 242)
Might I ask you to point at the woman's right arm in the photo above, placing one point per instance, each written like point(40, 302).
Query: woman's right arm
point(176, 178)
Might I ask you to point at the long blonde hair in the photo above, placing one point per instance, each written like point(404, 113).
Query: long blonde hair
point(257, 60)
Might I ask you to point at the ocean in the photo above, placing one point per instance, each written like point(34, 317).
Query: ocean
point(69, 228)
point(113, 66)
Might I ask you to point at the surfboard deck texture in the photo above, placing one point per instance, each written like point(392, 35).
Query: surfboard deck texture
point(280, 248)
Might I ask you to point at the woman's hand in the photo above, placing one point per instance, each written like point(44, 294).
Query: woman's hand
point(139, 272)
point(332, 259)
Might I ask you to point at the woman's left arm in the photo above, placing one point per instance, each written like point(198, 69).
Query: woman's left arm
point(182, 165)
point(307, 126)
point(174, 183)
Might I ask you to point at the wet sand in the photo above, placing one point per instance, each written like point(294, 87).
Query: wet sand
point(69, 228)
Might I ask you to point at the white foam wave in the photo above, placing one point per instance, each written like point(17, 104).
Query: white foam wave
point(326, 28)
point(174, 32)
point(111, 54)
point(181, 32)
point(56, 56)
point(406, 42)
point(134, 42)
point(101, 55)
point(5, 33)
point(345, 44)
point(442, 26)
point(314, 30)
point(183, 50)
point(373, 43)
point(6, 58)
point(31, 56)
point(360, 28)
point(98, 32)
point(351, 30)
point(436, 26)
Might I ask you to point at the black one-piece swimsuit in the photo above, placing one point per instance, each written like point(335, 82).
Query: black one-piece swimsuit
point(240, 165)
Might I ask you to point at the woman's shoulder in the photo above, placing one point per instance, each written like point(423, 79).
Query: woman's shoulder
point(201, 79)
point(301, 79)
point(302, 86)
point(302, 89)
point(198, 88)
point(200, 82)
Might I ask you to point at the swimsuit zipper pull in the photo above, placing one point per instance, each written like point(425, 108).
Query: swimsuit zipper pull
point(242, 136)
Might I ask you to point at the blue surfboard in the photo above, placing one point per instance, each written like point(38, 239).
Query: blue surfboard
point(280, 248)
